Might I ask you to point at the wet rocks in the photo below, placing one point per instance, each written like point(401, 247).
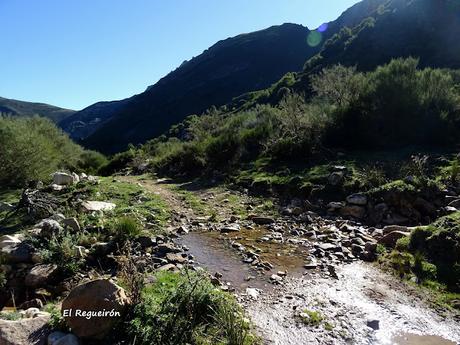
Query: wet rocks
point(336, 178)
point(60, 338)
point(105, 301)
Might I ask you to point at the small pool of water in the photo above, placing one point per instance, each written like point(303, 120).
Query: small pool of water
point(213, 252)
point(415, 339)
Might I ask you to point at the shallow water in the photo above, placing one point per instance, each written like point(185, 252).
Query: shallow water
point(415, 339)
point(362, 292)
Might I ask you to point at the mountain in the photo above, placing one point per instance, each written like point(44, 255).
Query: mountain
point(227, 69)
point(425, 29)
point(368, 34)
point(84, 122)
point(14, 107)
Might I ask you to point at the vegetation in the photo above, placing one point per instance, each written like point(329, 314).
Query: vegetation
point(33, 148)
point(186, 308)
point(396, 105)
point(431, 255)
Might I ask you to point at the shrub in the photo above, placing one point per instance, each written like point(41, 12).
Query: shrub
point(186, 309)
point(33, 148)
point(91, 161)
point(126, 228)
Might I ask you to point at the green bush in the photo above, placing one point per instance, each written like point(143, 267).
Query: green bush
point(187, 309)
point(33, 148)
point(126, 228)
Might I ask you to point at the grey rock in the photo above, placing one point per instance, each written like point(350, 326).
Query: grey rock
point(72, 223)
point(357, 199)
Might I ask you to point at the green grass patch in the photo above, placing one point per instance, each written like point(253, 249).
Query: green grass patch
point(185, 308)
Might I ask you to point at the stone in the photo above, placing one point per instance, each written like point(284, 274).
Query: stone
point(176, 258)
point(49, 227)
point(260, 220)
point(391, 238)
point(40, 275)
point(167, 267)
point(182, 230)
point(276, 278)
point(164, 248)
point(374, 324)
point(68, 339)
point(450, 209)
point(327, 246)
point(252, 293)
point(33, 303)
point(334, 206)
point(17, 253)
point(357, 199)
point(90, 206)
point(63, 179)
point(370, 247)
point(336, 178)
point(10, 240)
point(29, 331)
point(145, 241)
point(230, 228)
point(72, 223)
point(390, 228)
point(100, 296)
point(353, 211)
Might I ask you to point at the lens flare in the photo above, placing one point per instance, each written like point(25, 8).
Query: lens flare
point(323, 27)
point(314, 38)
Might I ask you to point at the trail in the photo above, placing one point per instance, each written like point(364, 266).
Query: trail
point(361, 297)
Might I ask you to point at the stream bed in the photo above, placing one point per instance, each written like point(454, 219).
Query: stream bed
point(361, 294)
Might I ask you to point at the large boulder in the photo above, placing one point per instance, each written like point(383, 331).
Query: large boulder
point(93, 309)
point(357, 199)
point(10, 240)
point(353, 211)
point(63, 179)
point(390, 239)
point(16, 252)
point(40, 275)
point(33, 331)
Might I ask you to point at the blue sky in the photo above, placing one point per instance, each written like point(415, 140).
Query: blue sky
point(72, 53)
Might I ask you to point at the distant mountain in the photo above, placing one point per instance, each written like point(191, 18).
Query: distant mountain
point(14, 107)
point(84, 122)
point(227, 69)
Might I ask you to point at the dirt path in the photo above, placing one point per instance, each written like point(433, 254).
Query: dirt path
point(363, 306)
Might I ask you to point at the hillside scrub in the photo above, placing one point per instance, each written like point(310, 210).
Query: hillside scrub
point(33, 148)
point(394, 106)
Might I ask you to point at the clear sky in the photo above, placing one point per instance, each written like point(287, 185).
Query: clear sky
point(72, 53)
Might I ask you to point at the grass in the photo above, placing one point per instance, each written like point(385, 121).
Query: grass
point(430, 258)
point(193, 201)
point(185, 308)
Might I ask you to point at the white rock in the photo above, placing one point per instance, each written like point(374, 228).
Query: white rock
point(9, 240)
point(63, 179)
point(90, 206)
point(252, 292)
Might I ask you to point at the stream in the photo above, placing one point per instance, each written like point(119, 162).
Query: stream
point(361, 294)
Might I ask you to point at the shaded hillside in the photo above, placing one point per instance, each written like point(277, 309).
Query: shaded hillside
point(425, 29)
point(14, 107)
point(227, 69)
point(84, 122)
